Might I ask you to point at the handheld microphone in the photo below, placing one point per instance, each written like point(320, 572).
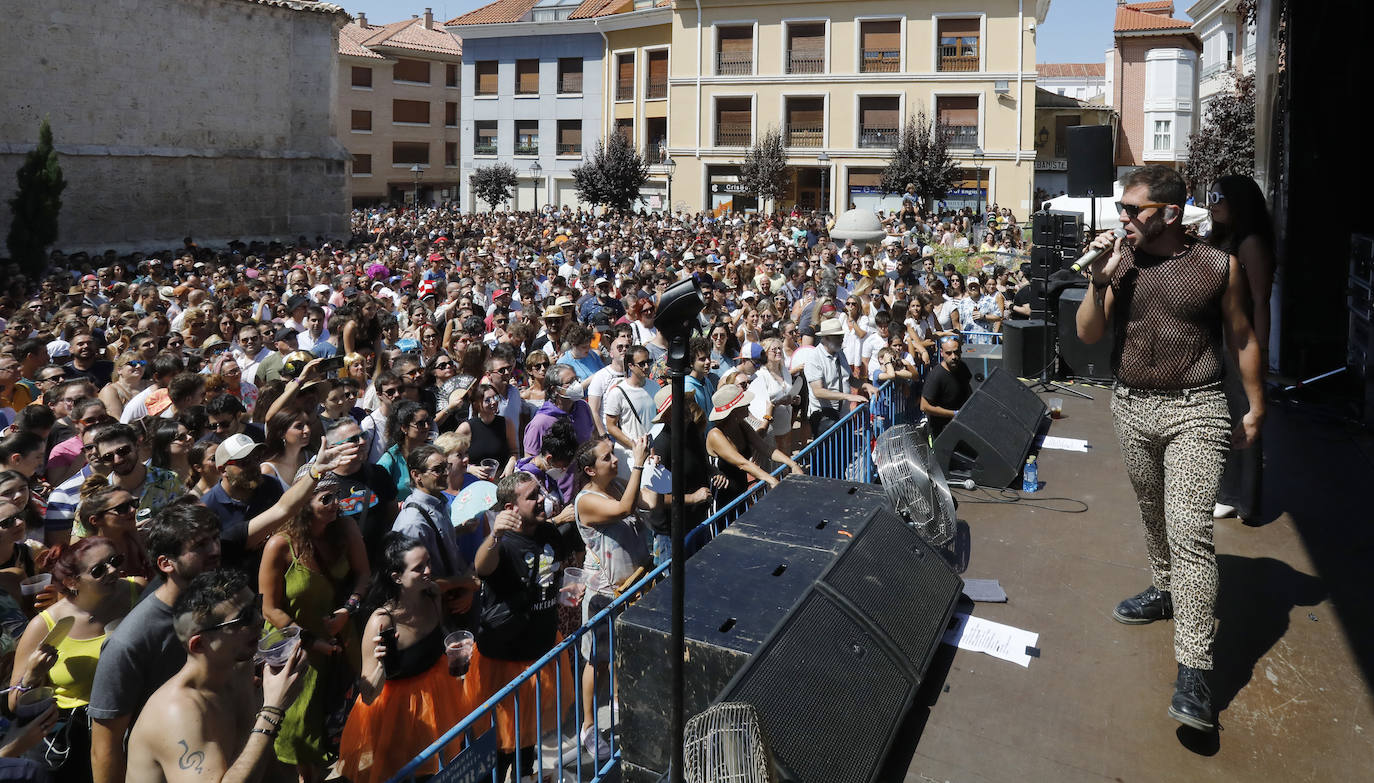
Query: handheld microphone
point(962, 484)
point(1093, 253)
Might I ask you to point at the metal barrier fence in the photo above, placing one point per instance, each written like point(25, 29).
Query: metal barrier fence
point(844, 451)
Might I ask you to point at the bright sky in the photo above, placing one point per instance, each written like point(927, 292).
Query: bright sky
point(1076, 31)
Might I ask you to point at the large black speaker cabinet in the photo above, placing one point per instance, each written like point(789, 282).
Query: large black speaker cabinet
point(1048, 259)
point(1081, 360)
point(992, 434)
point(1023, 347)
point(1057, 228)
point(884, 592)
point(1091, 172)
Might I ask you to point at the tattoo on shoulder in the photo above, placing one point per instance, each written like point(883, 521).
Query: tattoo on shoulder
point(190, 759)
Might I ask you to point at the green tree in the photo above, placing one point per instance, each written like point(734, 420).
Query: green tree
point(1225, 143)
point(36, 205)
point(922, 159)
point(493, 184)
point(613, 175)
point(764, 170)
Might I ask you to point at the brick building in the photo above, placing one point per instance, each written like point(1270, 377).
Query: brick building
point(1152, 83)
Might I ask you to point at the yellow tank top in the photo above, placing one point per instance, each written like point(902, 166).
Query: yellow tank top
point(74, 673)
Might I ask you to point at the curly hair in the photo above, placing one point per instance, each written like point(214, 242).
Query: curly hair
point(196, 605)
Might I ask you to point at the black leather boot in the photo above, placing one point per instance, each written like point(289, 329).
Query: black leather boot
point(1192, 702)
point(1149, 605)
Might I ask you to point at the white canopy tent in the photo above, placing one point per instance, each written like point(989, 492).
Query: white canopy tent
point(1106, 209)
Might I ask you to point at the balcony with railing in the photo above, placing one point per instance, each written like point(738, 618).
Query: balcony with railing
point(962, 135)
point(625, 91)
point(732, 134)
point(734, 63)
point(570, 83)
point(484, 147)
point(569, 148)
point(655, 152)
point(878, 137)
point(805, 61)
point(656, 88)
point(957, 58)
point(882, 61)
point(803, 134)
point(527, 147)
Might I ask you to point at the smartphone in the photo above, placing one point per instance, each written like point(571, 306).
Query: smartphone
point(332, 364)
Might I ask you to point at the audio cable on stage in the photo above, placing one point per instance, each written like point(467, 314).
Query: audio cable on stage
point(1007, 496)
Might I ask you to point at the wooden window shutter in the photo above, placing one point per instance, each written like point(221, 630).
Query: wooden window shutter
point(959, 27)
point(625, 69)
point(882, 36)
point(880, 113)
point(737, 40)
point(658, 66)
point(959, 110)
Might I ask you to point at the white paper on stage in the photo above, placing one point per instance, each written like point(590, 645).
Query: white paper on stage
point(1065, 444)
point(995, 639)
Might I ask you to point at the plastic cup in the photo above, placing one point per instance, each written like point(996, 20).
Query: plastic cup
point(276, 646)
point(33, 703)
point(458, 647)
point(574, 587)
point(492, 467)
point(1056, 407)
point(35, 584)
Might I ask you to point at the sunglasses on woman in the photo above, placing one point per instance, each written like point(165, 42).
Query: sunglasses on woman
point(127, 507)
point(9, 523)
point(99, 570)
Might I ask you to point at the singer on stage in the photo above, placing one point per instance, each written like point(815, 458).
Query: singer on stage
point(1171, 298)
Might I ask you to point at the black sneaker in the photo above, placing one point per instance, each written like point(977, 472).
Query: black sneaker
point(1192, 702)
point(1149, 605)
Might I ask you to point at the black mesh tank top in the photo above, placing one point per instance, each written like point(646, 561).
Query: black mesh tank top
point(1167, 317)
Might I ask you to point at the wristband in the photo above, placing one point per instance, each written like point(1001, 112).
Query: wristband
point(270, 733)
point(314, 475)
point(637, 467)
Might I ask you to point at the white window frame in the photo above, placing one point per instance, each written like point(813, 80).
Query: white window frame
point(1168, 135)
point(558, 85)
point(935, 39)
point(935, 96)
point(615, 75)
point(753, 116)
point(783, 58)
point(825, 119)
point(646, 50)
point(753, 24)
point(515, 79)
point(900, 95)
point(859, 40)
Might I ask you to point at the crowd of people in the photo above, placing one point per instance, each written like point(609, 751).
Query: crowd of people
point(205, 444)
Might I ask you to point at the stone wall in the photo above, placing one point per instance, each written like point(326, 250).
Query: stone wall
point(209, 118)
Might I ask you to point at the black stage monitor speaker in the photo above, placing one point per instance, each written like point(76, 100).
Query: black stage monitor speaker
point(1057, 228)
point(992, 434)
point(1023, 347)
point(749, 580)
point(1048, 259)
point(1091, 172)
point(1081, 360)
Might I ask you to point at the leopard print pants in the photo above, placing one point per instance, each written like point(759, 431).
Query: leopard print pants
point(1174, 444)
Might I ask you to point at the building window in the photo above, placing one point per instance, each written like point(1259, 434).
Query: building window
point(485, 137)
point(362, 164)
point(806, 47)
point(450, 153)
point(362, 120)
point(625, 126)
point(656, 86)
point(450, 74)
point(959, 115)
point(656, 139)
point(625, 76)
point(451, 114)
point(570, 137)
point(1164, 137)
point(409, 153)
point(958, 45)
point(805, 125)
point(362, 76)
point(881, 46)
point(485, 72)
point(570, 75)
point(879, 121)
point(736, 54)
point(410, 71)
point(734, 122)
point(526, 77)
point(413, 112)
point(527, 137)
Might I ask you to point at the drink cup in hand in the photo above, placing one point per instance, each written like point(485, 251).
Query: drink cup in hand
point(491, 466)
point(35, 584)
point(574, 587)
point(458, 647)
point(277, 644)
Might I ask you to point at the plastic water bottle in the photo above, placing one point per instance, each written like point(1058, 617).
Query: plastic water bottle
point(1030, 477)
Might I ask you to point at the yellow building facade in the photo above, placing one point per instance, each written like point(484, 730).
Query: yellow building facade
point(637, 66)
point(839, 79)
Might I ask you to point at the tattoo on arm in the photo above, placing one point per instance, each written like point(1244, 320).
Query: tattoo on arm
point(190, 759)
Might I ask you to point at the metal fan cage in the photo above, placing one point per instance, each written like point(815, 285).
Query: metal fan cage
point(914, 481)
point(725, 745)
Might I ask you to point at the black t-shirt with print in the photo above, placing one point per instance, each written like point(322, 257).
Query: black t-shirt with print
point(520, 598)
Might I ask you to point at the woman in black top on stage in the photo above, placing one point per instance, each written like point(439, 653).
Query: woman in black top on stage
point(487, 430)
point(407, 698)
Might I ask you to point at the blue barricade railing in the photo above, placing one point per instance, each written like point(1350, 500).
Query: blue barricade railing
point(844, 451)
point(980, 337)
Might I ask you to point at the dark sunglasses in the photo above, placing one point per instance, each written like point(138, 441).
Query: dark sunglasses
point(539, 366)
point(443, 365)
point(99, 570)
point(137, 363)
point(250, 617)
point(9, 523)
point(127, 507)
point(644, 363)
point(1133, 210)
point(123, 452)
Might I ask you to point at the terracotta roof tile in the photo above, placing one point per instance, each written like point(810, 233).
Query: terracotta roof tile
point(412, 34)
point(1129, 20)
point(495, 13)
point(302, 5)
point(1071, 70)
point(591, 8)
point(1155, 5)
point(351, 37)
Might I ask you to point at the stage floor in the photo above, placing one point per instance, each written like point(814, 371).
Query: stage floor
point(1295, 646)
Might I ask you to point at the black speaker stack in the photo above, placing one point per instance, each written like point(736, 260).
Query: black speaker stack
point(820, 606)
point(992, 435)
point(1090, 171)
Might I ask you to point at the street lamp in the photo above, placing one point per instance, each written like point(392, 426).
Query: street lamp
point(416, 171)
point(824, 160)
point(978, 170)
point(536, 170)
point(672, 166)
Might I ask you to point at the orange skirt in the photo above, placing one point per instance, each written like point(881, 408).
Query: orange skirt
point(407, 717)
point(555, 696)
